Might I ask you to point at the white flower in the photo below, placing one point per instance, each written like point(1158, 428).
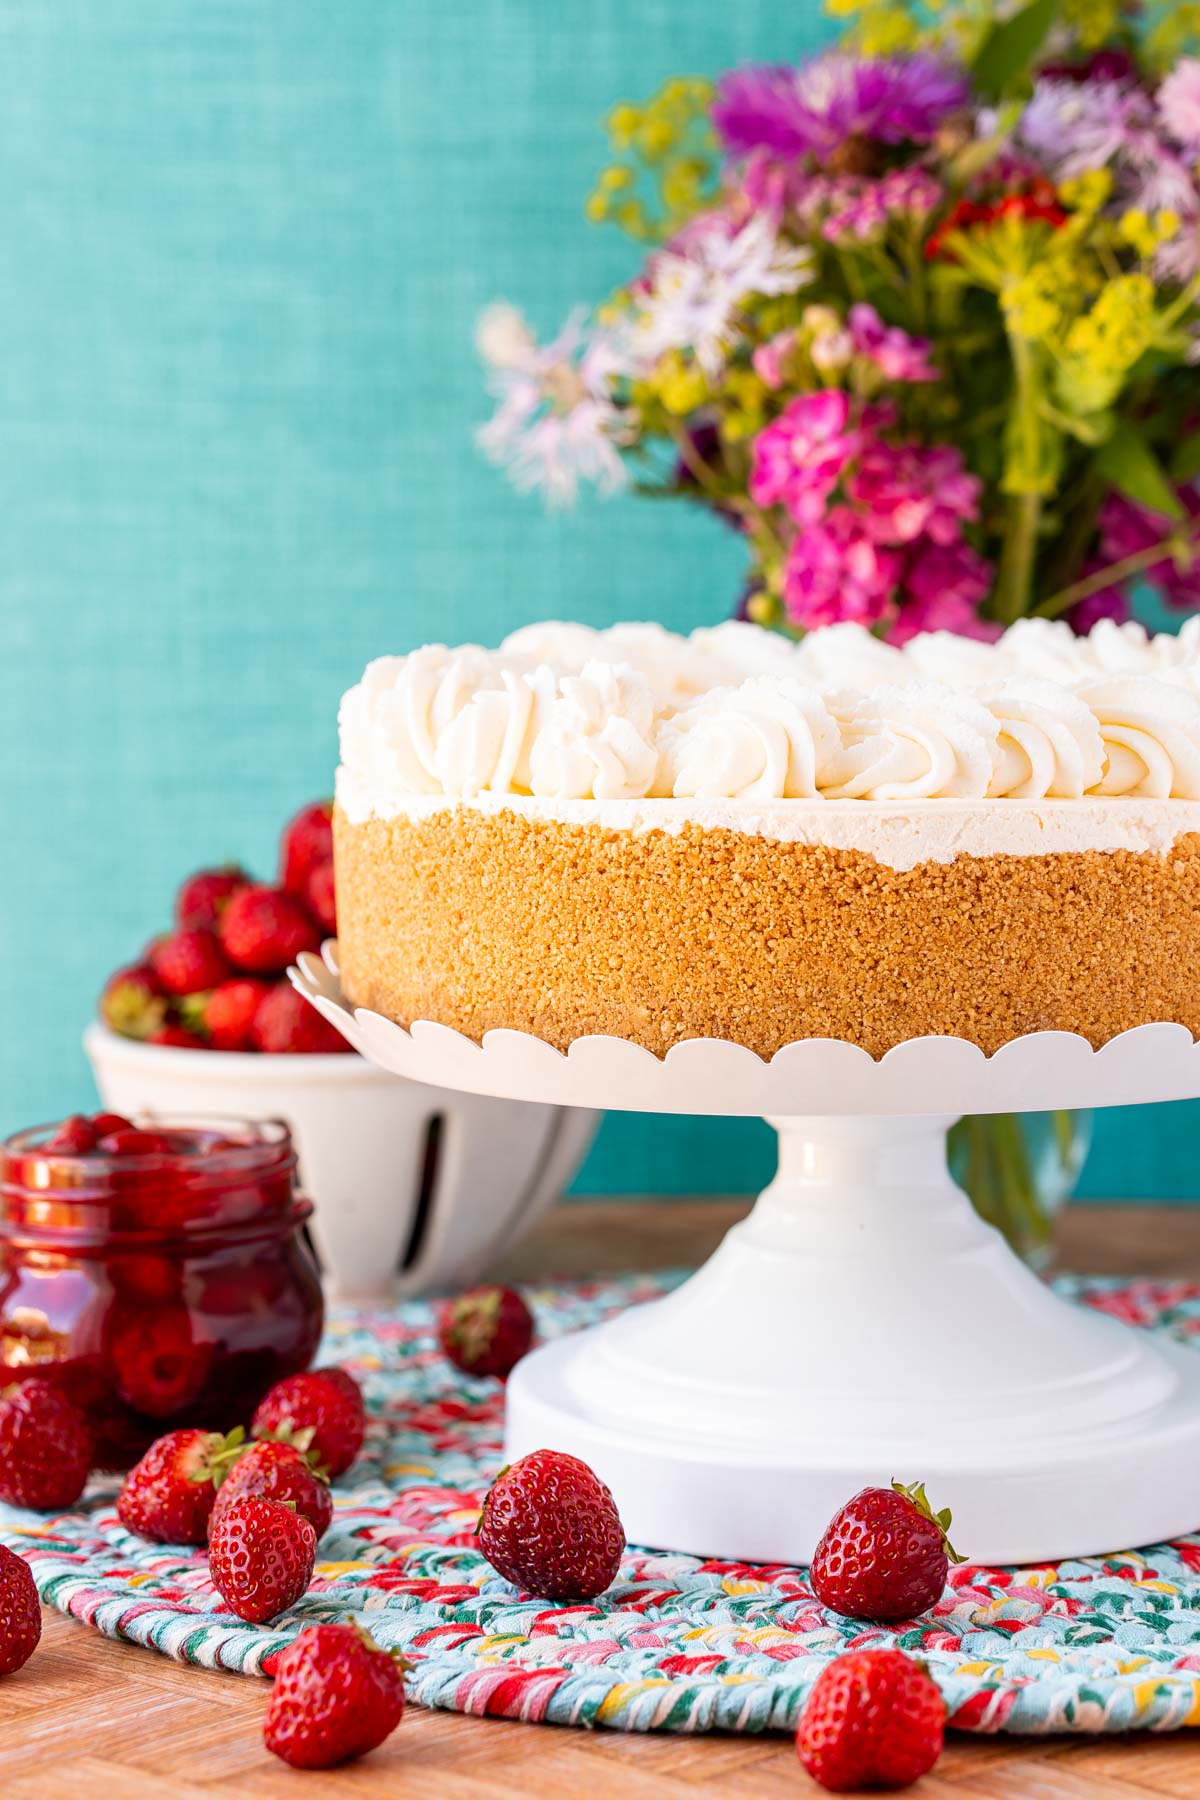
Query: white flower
point(557, 422)
point(503, 338)
point(695, 290)
point(1079, 125)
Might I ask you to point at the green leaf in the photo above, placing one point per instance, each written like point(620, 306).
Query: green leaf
point(1185, 464)
point(1132, 466)
point(1009, 48)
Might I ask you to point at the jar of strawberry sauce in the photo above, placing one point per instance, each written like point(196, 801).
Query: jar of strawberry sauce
point(163, 1272)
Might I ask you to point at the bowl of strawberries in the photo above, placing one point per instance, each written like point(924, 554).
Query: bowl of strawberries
point(415, 1187)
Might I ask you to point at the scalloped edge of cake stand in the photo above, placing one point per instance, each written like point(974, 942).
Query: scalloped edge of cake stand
point(1037, 1072)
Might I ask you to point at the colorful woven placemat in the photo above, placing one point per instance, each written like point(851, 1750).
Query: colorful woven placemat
point(677, 1644)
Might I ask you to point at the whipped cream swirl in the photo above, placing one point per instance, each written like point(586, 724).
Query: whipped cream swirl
point(737, 713)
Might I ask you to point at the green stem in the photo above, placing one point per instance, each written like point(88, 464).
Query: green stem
point(1015, 580)
point(1108, 577)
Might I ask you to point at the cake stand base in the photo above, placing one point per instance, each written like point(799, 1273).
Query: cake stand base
point(864, 1323)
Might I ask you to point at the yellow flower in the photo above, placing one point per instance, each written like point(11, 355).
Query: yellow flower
point(681, 386)
point(1143, 233)
point(622, 122)
point(1088, 192)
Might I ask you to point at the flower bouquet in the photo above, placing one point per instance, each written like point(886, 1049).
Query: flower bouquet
point(920, 319)
point(921, 326)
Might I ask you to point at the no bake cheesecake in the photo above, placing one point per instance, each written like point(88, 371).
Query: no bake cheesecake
point(731, 835)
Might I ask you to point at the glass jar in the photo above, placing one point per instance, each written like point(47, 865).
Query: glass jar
point(1018, 1169)
point(166, 1288)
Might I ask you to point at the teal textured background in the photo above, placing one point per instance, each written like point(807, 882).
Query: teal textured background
point(245, 244)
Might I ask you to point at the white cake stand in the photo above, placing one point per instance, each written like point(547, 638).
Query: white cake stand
point(862, 1322)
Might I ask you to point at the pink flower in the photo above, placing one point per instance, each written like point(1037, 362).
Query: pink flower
point(1179, 103)
point(944, 587)
point(911, 490)
point(864, 209)
point(769, 358)
point(800, 456)
point(895, 354)
point(835, 571)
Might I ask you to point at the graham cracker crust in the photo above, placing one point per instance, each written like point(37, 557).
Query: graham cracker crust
point(485, 920)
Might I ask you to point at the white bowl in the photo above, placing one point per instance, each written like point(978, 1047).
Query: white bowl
point(416, 1188)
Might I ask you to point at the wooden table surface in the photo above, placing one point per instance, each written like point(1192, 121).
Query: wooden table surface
point(87, 1717)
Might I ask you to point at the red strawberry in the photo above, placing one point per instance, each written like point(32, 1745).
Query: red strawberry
point(225, 1017)
point(105, 1122)
point(874, 1718)
point(263, 929)
point(261, 1557)
point(344, 1381)
point(177, 1037)
point(315, 1412)
point(337, 1694)
point(20, 1614)
point(274, 1471)
point(158, 1365)
point(132, 1002)
point(286, 1024)
point(307, 840)
point(203, 897)
point(74, 1137)
point(188, 960)
point(129, 1140)
point(46, 1447)
point(486, 1331)
point(172, 1491)
point(885, 1555)
point(321, 897)
point(550, 1526)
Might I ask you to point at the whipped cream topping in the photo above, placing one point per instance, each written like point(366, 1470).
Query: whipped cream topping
point(734, 713)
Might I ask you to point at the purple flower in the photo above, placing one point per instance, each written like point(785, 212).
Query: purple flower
point(896, 355)
point(815, 108)
point(1126, 529)
point(1179, 103)
point(836, 571)
point(1074, 126)
point(1107, 603)
point(944, 586)
point(911, 491)
point(800, 456)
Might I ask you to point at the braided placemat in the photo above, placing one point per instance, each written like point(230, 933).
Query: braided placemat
point(1102, 1644)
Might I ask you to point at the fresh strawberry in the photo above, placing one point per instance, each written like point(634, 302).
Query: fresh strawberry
point(261, 1557)
point(321, 897)
point(885, 1555)
point(275, 1471)
point(485, 1331)
point(177, 1037)
point(172, 1491)
point(225, 1017)
point(188, 960)
point(307, 840)
point(203, 897)
point(286, 1024)
point(263, 929)
point(20, 1613)
point(132, 1002)
point(74, 1137)
point(46, 1447)
point(344, 1381)
point(874, 1718)
point(337, 1695)
point(316, 1412)
point(550, 1526)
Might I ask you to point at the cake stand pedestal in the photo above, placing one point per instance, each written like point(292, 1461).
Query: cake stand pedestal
point(863, 1322)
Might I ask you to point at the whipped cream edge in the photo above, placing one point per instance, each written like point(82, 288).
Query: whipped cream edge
point(899, 835)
